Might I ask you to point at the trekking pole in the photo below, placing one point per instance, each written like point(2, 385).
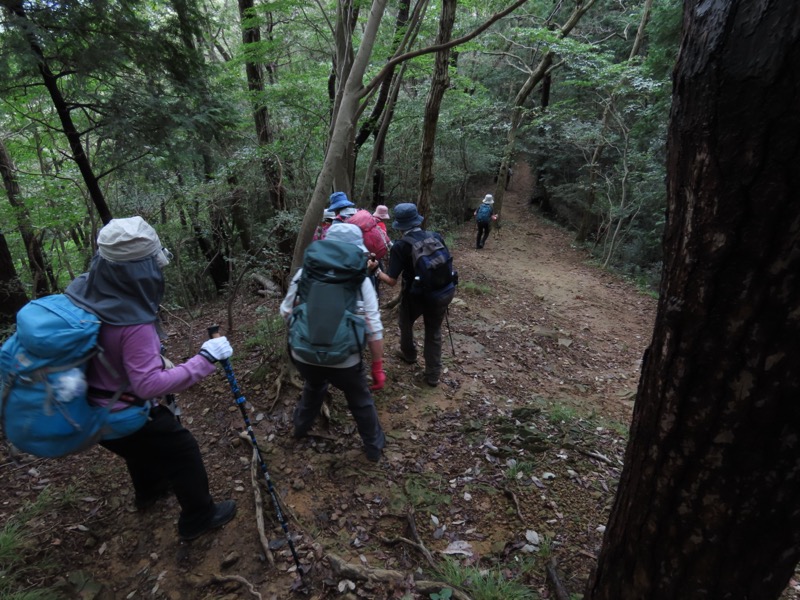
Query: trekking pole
point(213, 331)
point(449, 331)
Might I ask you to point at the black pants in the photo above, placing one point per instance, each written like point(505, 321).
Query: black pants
point(353, 383)
point(412, 306)
point(483, 230)
point(164, 452)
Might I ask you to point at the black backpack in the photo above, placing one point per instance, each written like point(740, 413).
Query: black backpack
point(326, 326)
point(433, 266)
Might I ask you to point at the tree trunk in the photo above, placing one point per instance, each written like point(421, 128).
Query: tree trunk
point(41, 272)
point(535, 76)
point(385, 101)
point(63, 111)
point(340, 146)
point(342, 136)
point(12, 294)
point(439, 84)
point(251, 35)
point(707, 505)
point(594, 165)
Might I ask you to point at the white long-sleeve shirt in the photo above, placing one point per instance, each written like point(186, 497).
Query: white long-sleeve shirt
point(372, 315)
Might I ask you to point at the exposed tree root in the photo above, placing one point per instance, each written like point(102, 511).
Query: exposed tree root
point(555, 583)
point(362, 573)
point(513, 497)
point(255, 478)
point(223, 578)
point(412, 527)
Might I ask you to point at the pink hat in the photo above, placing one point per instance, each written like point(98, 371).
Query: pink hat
point(382, 212)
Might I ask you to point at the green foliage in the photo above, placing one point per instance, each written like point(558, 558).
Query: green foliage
point(483, 584)
point(470, 287)
point(167, 122)
point(19, 556)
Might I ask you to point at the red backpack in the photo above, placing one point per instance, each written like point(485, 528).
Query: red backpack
point(375, 238)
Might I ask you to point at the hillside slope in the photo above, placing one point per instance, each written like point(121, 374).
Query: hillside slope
point(522, 441)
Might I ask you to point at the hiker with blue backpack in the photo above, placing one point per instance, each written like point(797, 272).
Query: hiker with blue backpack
point(332, 313)
point(429, 284)
point(124, 288)
point(484, 217)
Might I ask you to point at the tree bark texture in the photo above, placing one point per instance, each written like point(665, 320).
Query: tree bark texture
point(12, 294)
point(708, 505)
point(440, 81)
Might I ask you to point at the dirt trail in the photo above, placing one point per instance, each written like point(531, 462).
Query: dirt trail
point(543, 287)
point(524, 434)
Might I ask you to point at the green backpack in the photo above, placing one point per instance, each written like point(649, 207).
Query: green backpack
point(327, 325)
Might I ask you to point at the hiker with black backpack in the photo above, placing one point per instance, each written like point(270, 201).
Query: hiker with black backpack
point(429, 284)
point(332, 313)
point(124, 288)
point(484, 217)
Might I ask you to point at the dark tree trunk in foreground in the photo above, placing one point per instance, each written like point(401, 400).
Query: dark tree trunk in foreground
point(12, 294)
point(708, 505)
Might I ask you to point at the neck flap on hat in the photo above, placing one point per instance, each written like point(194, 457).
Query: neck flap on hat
point(120, 293)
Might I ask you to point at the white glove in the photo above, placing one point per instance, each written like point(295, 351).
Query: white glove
point(216, 349)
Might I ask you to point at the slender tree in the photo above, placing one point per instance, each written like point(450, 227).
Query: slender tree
point(62, 107)
point(439, 84)
point(707, 505)
point(41, 272)
point(339, 148)
point(535, 76)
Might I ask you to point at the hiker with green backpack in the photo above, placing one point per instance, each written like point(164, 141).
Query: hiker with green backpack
point(124, 288)
point(429, 284)
point(332, 313)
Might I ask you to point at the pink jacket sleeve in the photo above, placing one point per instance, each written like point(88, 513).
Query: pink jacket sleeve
point(134, 351)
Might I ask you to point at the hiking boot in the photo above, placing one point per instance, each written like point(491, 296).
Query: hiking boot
point(373, 454)
point(409, 361)
point(432, 381)
point(223, 512)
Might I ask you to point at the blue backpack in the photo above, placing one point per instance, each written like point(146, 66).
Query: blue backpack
point(44, 408)
point(484, 214)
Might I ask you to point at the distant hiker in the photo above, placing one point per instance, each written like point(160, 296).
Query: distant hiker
point(341, 206)
point(124, 287)
point(332, 313)
point(327, 218)
point(484, 217)
point(429, 284)
point(382, 214)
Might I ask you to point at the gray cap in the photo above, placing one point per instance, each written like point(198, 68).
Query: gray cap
point(124, 240)
point(346, 232)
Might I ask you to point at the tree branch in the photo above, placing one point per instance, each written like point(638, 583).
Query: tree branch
point(409, 55)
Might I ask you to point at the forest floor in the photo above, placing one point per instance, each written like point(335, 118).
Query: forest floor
point(509, 466)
